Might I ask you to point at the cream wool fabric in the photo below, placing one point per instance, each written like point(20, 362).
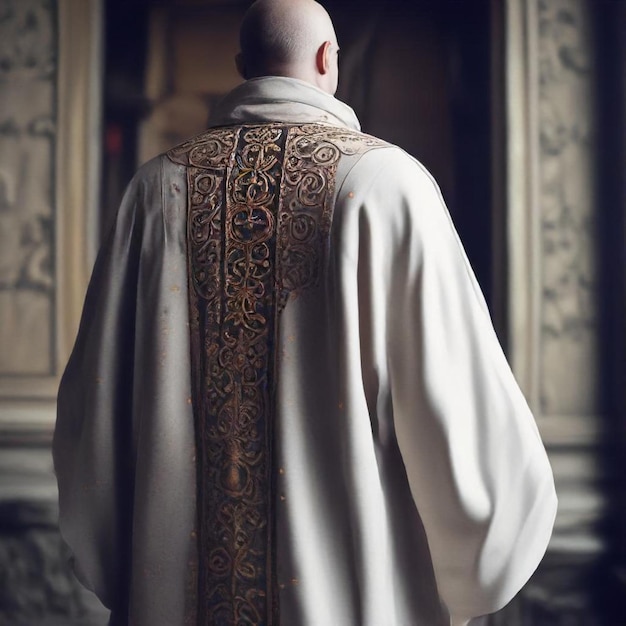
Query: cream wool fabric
point(413, 481)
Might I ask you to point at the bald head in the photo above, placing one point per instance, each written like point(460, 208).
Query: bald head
point(292, 38)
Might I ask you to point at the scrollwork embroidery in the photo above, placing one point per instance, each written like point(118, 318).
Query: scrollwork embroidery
point(260, 203)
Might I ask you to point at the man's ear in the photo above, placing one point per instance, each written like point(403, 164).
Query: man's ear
point(322, 59)
point(241, 66)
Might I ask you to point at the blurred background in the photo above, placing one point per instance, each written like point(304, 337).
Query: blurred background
point(518, 109)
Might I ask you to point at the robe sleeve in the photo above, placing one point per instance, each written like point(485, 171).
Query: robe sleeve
point(475, 462)
point(92, 446)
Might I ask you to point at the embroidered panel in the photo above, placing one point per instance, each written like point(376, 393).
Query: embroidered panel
point(260, 201)
point(306, 201)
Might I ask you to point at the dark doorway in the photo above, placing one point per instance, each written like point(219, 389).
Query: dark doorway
point(418, 73)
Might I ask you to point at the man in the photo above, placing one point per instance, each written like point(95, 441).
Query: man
point(287, 403)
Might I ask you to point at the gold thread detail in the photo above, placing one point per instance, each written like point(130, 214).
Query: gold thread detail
point(260, 203)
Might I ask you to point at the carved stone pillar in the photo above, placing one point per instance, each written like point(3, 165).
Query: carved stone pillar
point(49, 124)
point(554, 307)
point(49, 147)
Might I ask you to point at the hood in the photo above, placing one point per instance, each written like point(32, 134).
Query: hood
point(282, 99)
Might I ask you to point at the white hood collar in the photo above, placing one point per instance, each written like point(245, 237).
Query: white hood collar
point(282, 99)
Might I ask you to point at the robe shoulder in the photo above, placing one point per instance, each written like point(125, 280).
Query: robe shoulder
point(147, 175)
point(150, 191)
point(474, 460)
point(394, 170)
point(143, 186)
point(401, 201)
point(212, 149)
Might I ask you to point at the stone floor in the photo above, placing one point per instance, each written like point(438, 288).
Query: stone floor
point(37, 587)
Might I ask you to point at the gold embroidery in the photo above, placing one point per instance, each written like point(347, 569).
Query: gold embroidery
point(307, 196)
point(260, 209)
point(209, 150)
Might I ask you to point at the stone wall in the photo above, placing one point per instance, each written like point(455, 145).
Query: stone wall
point(568, 202)
point(42, 86)
point(568, 197)
point(555, 302)
point(28, 72)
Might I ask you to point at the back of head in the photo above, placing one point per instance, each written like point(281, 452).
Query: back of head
point(283, 38)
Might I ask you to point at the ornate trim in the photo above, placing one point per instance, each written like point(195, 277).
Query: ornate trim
point(260, 204)
point(306, 201)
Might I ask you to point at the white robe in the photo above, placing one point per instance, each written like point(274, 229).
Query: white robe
point(413, 485)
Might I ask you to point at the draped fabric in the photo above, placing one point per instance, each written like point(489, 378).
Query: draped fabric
point(260, 202)
point(286, 403)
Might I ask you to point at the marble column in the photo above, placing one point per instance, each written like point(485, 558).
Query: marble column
point(554, 333)
point(49, 93)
